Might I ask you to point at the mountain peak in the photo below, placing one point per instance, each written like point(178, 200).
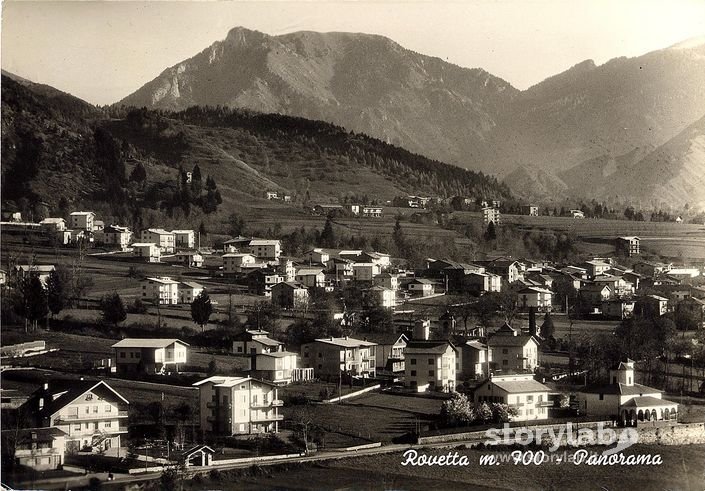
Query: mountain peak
point(245, 37)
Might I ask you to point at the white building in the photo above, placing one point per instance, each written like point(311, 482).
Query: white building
point(491, 214)
point(233, 263)
point(267, 250)
point(310, 277)
point(238, 405)
point(133, 355)
point(185, 239)
point(82, 220)
point(91, 413)
point(188, 291)
point(149, 252)
point(384, 296)
point(162, 290)
point(163, 238)
point(278, 366)
point(114, 235)
point(430, 365)
point(520, 391)
point(51, 225)
point(625, 400)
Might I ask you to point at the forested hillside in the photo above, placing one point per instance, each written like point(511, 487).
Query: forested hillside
point(130, 164)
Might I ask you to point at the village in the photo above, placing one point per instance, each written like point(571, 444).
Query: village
point(265, 356)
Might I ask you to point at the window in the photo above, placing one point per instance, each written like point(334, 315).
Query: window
point(239, 350)
point(122, 354)
point(77, 427)
point(413, 373)
point(431, 373)
point(413, 361)
point(529, 398)
point(602, 397)
point(88, 410)
point(505, 351)
point(108, 408)
point(320, 355)
point(431, 361)
point(95, 409)
point(138, 354)
point(505, 362)
point(107, 424)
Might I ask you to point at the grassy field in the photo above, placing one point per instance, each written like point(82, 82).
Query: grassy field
point(377, 417)
point(682, 469)
point(78, 351)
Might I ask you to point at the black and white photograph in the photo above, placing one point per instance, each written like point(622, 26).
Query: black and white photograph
point(352, 245)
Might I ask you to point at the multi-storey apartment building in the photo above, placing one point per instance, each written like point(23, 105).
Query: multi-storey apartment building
point(161, 289)
point(329, 357)
point(430, 365)
point(82, 220)
point(238, 405)
point(185, 239)
point(163, 238)
point(91, 413)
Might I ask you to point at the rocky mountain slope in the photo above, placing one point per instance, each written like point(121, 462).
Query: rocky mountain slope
point(581, 117)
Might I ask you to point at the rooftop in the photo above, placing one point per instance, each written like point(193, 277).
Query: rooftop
point(346, 342)
point(146, 343)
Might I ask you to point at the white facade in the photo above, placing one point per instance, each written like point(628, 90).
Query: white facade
point(185, 239)
point(162, 290)
point(163, 238)
point(233, 263)
point(430, 366)
point(238, 405)
point(83, 220)
point(188, 291)
point(522, 392)
point(150, 252)
point(268, 250)
point(150, 355)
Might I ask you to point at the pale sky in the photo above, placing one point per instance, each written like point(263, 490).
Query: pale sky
point(103, 51)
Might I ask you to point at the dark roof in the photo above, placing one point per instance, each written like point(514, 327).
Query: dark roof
point(437, 346)
point(648, 401)
point(621, 389)
point(510, 341)
point(29, 435)
point(64, 392)
point(385, 338)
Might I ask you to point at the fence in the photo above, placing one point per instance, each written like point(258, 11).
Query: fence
point(353, 394)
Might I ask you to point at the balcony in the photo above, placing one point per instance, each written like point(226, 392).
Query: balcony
point(80, 418)
point(277, 403)
point(267, 418)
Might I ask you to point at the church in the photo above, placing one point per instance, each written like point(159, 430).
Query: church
point(625, 401)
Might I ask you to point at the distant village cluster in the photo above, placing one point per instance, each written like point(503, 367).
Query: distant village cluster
point(437, 354)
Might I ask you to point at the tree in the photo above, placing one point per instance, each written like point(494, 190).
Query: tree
point(30, 300)
point(490, 233)
point(547, 328)
point(457, 410)
point(328, 235)
point(56, 297)
point(483, 412)
point(236, 225)
point(201, 309)
point(138, 174)
point(113, 309)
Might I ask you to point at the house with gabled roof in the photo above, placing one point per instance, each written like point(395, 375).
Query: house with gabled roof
point(289, 295)
point(255, 341)
point(430, 365)
point(92, 414)
point(513, 351)
point(520, 391)
point(137, 355)
point(389, 352)
point(188, 291)
point(37, 448)
point(421, 287)
point(626, 401)
point(163, 238)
